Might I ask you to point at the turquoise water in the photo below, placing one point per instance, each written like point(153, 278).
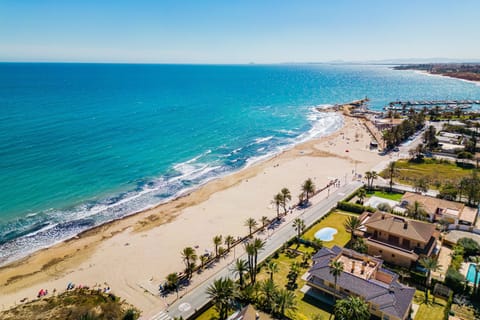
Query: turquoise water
point(471, 274)
point(81, 144)
point(325, 234)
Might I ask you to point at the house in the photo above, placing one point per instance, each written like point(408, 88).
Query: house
point(364, 277)
point(440, 209)
point(396, 239)
point(249, 313)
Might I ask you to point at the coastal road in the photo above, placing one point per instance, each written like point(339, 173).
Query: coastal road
point(197, 298)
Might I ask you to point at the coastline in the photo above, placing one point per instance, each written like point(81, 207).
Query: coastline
point(426, 73)
point(90, 257)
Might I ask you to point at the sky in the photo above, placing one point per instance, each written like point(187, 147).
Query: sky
point(224, 31)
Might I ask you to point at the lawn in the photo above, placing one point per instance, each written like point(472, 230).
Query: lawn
point(386, 195)
point(430, 310)
point(333, 220)
point(307, 307)
point(437, 172)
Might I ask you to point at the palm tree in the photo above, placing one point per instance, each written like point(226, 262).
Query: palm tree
point(268, 290)
point(336, 269)
point(392, 171)
point(250, 223)
point(222, 292)
point(431, 265)
point(361, 194)
point(203, 260)
point(229, 240)
point(264, 221)
point(250, 250)
point(351, 225)
point(189, 257)
point(272, 267)
point(286, 197)
point(308, 188)
point(217, 241)
point(285, 300)
point(416, 211)
point(368, 176)
point(476, 262)
point(258, 245)
point(239, 269)
point(299, 226)
point(278, 200)
point(374, 177)
point(172, 281)
point(352, 308)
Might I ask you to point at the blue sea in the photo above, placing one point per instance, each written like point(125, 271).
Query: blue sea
point(83, 144)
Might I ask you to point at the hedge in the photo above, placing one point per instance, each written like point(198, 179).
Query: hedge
point(353, 207)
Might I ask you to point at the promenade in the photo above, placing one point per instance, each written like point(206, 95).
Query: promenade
point(197, 298)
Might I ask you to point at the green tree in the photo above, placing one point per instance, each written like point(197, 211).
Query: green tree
point(203, 260)
point(351, 225)
point(189, 256)
point(172, 281)
point(240, 268)
point(416, 211)
point(421, 185)
point(308, 188)
point(264, 220)
point(286, 197)
point(278, 200)
point(392, 171)
point(229, 240)
point(222, 292)
point(217, 241)
point(336, 269)
point(352, 308)
point(285, 300)
point(361, 194)
point(251, 224)
point(272, 268)
point(299, 226)
point(268, 291)
point(430, 265)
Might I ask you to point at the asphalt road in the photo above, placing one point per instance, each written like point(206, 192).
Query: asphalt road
point(197, 298)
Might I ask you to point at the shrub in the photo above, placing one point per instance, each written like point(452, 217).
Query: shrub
point(351, 207)
point(455, 280)
point(471, 247)
point(384, 207)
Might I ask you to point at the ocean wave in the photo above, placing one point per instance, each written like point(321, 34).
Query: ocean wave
point(263, 139)
point(39, 230)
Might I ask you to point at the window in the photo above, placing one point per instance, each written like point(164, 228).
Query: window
point(393, 256)
point(381, 251)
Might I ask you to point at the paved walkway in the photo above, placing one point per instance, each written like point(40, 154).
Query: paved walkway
point(197, 298)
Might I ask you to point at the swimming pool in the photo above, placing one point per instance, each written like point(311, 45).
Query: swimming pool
point(471, 274)
point(326, 234)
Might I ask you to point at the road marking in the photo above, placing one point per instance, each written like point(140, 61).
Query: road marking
point(162, 316)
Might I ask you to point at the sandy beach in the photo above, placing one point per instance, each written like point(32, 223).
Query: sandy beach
point(133, 255)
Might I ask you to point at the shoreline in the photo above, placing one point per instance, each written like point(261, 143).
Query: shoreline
point(426, 73)
point(79, 255)
point(312, 133)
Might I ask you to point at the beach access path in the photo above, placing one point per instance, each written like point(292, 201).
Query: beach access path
point(186, 305)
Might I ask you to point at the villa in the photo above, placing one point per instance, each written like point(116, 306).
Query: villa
point(439, 209)
point(362, 276)
point(396, 239)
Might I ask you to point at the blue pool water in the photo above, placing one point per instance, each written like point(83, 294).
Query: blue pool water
point(82, 144)
point(471, 274)
point(326, 234)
